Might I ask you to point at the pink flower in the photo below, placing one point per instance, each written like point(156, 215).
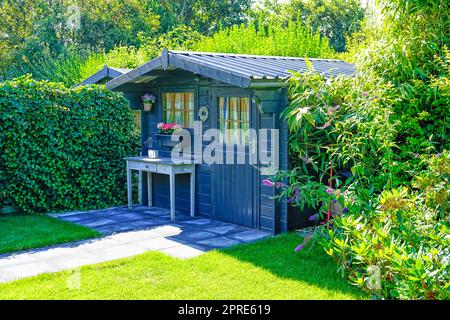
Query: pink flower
point(326, 125)
point(268, 183)
point(279, 185)
point(297, 193)
point(330, 190)
point(331, 110)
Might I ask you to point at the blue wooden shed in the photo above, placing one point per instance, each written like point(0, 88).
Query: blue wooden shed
point(221, 90)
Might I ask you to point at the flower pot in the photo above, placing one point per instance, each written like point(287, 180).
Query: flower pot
point(165, 140)
point(148, 106)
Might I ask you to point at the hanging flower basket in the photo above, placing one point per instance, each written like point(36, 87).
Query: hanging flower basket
point(148, 100)
point(148, 106)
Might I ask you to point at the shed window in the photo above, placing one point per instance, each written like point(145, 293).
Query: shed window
point(178, 107)
point(233, 119)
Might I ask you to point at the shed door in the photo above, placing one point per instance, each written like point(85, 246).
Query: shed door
point(233, 184)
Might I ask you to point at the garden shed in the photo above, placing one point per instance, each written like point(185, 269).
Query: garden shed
point(220, 91)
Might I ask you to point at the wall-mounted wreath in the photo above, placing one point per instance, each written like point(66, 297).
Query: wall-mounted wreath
point(203, 113)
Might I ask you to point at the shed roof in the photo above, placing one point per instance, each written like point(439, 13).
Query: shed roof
point(241, 70)
point(106, 73)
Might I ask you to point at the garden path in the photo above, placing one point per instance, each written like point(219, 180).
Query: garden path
point(128, 233)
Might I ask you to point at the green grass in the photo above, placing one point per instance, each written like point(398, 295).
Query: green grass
point(21, 232)
point(268, 269)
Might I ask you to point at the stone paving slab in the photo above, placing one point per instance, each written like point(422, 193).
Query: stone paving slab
point(226, 229)
point(219, 242)
point(250, 235)
point(128, 233)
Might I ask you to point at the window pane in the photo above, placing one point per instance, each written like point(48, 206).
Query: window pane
point(233, 119)
point(178, 107)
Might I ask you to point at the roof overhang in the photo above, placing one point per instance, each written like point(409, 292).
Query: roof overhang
point(169, 61)
point(244, 71)
point(105, 73)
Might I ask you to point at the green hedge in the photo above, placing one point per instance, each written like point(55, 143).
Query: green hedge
point(62, 149)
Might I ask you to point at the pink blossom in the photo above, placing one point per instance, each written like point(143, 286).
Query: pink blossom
point(268, 183)
point(297, 193)
point(326, 125)
point(279, 185)
point(331, 110)
point(329, 190)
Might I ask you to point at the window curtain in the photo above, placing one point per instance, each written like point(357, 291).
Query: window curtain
point(178, 107)
point(234, 119)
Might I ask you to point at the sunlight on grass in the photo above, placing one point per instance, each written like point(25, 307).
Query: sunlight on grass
point(21, 232)
point(267, 269)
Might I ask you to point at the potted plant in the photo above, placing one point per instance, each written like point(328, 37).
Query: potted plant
point(166, 132)
point(148, 100)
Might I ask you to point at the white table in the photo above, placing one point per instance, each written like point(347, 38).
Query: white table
point(161, 166)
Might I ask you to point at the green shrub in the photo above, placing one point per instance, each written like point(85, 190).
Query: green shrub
point(294, 40)
point(340, 124)
point(399, 247)
point(62, 148)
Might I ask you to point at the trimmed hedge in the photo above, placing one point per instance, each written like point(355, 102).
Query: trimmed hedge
point(63, 149)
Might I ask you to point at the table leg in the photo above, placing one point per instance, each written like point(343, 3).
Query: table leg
point(129, 188)
point(172, 196)
point(149, 189)
point(140, 188)
point(193, 193)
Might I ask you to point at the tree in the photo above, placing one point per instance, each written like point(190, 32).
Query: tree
point(333, 19)
point(207, 16)
point(108, 23)
point(34, 32)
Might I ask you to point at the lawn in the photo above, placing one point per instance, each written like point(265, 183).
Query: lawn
point(20, 232)
point(268, 269)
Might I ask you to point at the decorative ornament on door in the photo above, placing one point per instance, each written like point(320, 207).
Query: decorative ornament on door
point(203, 113)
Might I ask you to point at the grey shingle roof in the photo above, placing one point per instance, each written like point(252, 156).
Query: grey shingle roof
point(105, 73)
point(236, 69)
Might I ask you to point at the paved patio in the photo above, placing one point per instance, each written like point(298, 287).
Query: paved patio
point(127, 233)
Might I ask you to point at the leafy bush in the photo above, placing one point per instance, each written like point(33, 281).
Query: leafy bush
point(409, 48)
point(66, 69)
point(340, 124)
point(62, 148)
point(295, 40)
point(368, 152)
point(180, 38)
point(399, 247)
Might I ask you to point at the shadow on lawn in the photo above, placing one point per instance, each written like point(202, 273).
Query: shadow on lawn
point(310, 265)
